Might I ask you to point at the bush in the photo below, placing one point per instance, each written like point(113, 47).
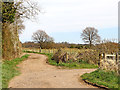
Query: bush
point(89, 56)
point(60, 56)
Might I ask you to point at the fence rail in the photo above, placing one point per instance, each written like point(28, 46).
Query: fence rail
point(110, 56)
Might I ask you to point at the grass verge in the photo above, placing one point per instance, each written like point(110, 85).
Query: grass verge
point(100, 77)
point(71, 65)
point(9, 69)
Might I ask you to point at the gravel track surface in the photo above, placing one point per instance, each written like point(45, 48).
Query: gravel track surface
point(36, 73)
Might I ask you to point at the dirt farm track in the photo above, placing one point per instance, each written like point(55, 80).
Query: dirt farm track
point(36, 73)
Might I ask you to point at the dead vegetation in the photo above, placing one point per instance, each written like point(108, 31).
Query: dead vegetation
point(62, 56)
point(90, 56)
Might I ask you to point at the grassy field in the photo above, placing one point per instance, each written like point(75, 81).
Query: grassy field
point(73, 65)
point(100, 77)
point(68, 50)
point(9, 70)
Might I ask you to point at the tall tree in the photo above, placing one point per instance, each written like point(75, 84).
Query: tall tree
point(40, 37)
point(90, 35)
point(17, 11)
point(8, 12)
point(13, 15)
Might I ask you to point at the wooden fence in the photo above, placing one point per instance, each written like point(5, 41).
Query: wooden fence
point(109, 61)
point(70, 51)
point(114, 57)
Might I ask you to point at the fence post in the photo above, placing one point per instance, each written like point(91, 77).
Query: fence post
point(104, 56)
point(100, 57)
point(48, 50)
point(40, 50)
point(116, 58)
point(45, 50)
point(53, 51)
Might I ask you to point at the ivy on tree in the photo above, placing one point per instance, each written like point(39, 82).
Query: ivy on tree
point(8, 12)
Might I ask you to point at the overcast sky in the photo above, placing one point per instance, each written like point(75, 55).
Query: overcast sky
point(64, 20)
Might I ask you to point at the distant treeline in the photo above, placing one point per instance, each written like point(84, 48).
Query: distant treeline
point(51, 45)
point(106, 47)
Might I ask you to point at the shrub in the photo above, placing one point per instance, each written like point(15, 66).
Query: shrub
point(60, 56)
point(89, 56)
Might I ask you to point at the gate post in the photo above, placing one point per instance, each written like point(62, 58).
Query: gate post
point(117, 58)
point(100, 57)
point(104, 56)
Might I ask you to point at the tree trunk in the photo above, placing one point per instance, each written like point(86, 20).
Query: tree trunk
point(10, 42)
point(90, 44)
point(40, 48)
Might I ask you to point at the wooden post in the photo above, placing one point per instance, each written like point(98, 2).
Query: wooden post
point(117, 58)
point(53, 51)
point(100, 58)
point(104, 57)
point(45, 50)
point(67, 56)
point(40, 50)
point(48, 50)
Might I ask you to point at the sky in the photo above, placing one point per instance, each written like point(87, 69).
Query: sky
point(65, 20)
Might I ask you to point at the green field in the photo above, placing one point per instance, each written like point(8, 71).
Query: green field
point(68, 50)
point(9, 69)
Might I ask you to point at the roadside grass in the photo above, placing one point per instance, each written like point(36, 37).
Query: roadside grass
point(100, 77)
point(72, 65)
point(9, 69)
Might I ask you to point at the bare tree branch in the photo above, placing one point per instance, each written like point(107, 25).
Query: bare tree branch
point(41, 37)
point(90, 35)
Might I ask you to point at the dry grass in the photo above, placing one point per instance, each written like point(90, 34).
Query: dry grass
point(75, 54)
point(68, 50)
